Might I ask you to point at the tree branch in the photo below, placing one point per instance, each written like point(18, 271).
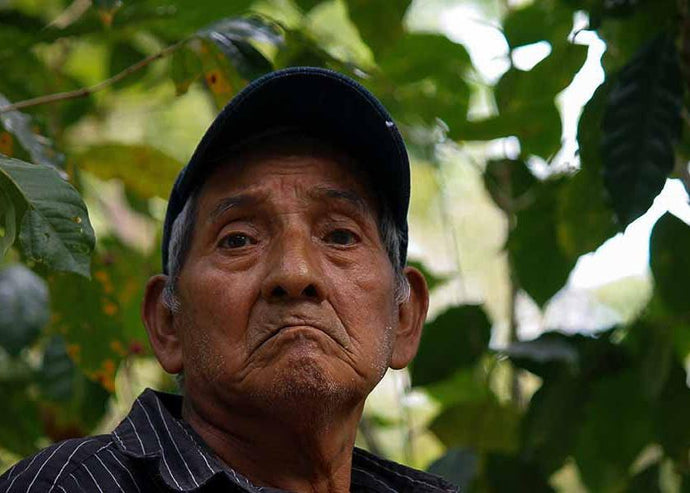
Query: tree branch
point(86, 91)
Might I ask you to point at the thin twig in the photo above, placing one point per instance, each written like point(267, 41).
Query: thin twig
point(86, 91)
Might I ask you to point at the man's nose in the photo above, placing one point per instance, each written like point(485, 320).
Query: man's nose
point(294, 271)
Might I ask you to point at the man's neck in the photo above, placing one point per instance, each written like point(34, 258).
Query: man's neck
point(302, 452)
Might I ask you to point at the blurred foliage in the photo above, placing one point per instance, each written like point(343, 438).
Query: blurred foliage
point(613, 409)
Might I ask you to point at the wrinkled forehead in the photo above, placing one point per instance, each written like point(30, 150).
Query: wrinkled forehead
point(315, 161)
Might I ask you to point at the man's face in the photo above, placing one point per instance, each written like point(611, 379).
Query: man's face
point(287, 291)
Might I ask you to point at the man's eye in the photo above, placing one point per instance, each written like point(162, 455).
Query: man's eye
point(341, 237)
point(236, 240)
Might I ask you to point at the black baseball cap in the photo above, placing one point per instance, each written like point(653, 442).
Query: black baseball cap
point(319, 102)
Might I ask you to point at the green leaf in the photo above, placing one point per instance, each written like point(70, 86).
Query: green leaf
point(546, 20)
point(301, 49)
point(483, 426)
point(585, 219)
point(569, 367)
point(73, 403)
point(307, 5)
point(143, 169)
point(21, 434)
point(550, 427)
point(625, 35)
point(668, 252)
point(8, 220)
point(508, 181)
point(25, 307)
point(640, 128)
point(185, 68)
point(541, 265)
point(453, 340)
point(55, 230)
point(617, 426)
point(507, 473)
point(422, 79)
point(419, 56)
point(465, 385)
point(671, 416)
point(233, 36)
point(532, 115)
point(100, 317)
point(651, 344)
point(380, 24)
point(186, 16)
point(646, 481)
point(547, 350)
point(458, 465)
point(122, 56)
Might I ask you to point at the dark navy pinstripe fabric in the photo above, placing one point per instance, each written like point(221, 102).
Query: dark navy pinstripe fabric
point(153, 450)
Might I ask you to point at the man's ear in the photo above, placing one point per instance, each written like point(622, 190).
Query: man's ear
point(158, 319)
point(412, 314)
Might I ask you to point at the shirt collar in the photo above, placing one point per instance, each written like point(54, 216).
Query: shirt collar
point(154, 431)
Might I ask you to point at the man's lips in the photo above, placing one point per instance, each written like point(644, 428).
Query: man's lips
point(331, 328)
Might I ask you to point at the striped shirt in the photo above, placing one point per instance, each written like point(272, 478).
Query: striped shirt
point(153, 449)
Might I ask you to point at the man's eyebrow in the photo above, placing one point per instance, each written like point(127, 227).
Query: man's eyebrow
point(321, 193)
point(231, 202)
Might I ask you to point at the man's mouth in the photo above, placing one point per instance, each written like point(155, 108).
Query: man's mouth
point(300, 323)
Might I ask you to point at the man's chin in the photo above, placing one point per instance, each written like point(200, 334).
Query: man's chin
point(305, 386)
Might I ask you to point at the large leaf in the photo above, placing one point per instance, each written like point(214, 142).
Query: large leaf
point(550, 428)
point(122, 56)
point(641, 125)
point(652, 346)
point(71, 404)
point(379, 23)
point(233, 37)
point(616, 427)
point(422, 79)
point(100, 318)
point(671, 416)
point(585, 218)
point(185, 68)
point(628, 25)
point(569, 366)
point(484, 426)
point(506, 473)
point(453, 340)
point(528, 114)
point(8, 219)
point(143, 169)
point(458, 465)
point(646, 481)
point(22, 430)
point(508, 182)
point(55, 229)
point(541, 265)
point(25, 307)
point(669, 249)
point(535, 119)
point(547, 20)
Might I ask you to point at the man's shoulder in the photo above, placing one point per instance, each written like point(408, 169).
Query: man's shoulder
point(70, 465)
point(367, 468)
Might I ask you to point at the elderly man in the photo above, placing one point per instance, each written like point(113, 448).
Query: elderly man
point(284, 301)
